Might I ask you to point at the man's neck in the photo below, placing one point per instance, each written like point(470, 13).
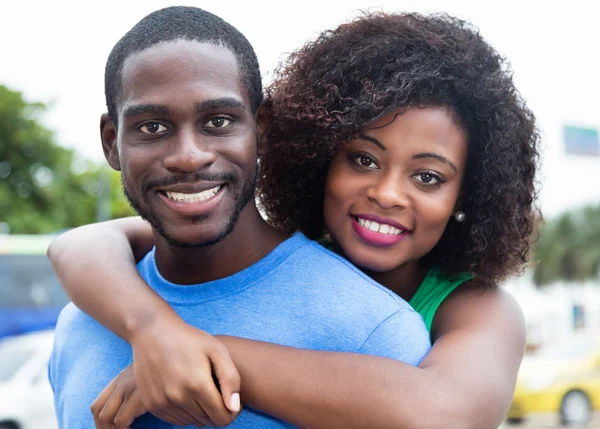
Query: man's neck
point(250, 241)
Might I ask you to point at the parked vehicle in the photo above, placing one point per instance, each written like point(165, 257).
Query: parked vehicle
point(563, 379)
point(30, 295)
point(26, 399)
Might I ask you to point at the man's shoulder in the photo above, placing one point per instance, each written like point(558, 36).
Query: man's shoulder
point(74, 328)
point(315, 260)
point(70, 316)
point(79, 338)
point(321, 270)
point(313, 255)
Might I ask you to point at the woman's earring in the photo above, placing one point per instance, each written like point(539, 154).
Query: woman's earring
point(459, 216)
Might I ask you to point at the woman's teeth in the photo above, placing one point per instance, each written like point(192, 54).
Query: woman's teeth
point(378, 227)
point(192, 198)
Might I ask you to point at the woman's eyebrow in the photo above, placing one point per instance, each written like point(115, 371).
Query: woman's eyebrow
point(436, 156)
point(372, 140)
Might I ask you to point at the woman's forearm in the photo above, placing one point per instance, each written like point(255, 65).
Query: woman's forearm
point(326, 390)
point(466, 381)
point(96, 266)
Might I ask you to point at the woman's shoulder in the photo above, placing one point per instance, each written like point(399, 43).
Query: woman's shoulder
point(471, 292)
point(474, 304)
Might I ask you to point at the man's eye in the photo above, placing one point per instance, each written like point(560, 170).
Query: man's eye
point(218, 122)
point(153, 128)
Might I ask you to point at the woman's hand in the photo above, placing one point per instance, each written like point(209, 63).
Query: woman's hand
point(183, 372)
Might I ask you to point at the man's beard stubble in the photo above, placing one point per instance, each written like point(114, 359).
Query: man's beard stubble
point(241, 200)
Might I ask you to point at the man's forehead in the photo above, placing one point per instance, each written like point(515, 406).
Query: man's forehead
point(207, 66)
point(185, 47)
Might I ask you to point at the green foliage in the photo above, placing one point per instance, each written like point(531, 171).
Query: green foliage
point(39, 190)
point(569, 247)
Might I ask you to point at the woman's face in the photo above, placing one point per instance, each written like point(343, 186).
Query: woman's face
point(391, 191)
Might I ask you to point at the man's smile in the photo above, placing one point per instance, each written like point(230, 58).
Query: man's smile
point(193, 203)
point(192, 198)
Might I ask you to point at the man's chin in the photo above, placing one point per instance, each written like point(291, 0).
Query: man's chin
point(190, 236)
point(192, 240)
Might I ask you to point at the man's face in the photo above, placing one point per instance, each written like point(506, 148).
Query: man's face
point(186, 140)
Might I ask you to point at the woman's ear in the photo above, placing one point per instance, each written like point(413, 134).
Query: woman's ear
point(108, 134)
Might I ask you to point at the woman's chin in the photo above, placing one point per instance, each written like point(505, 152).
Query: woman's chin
point(373, 263)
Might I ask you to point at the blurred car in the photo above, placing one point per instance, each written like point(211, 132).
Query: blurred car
point(26, 400)
point(562, 379)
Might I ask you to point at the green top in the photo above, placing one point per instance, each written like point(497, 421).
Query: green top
point(434, 289)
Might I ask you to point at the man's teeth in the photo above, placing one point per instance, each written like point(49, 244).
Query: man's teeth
point(192, 198)
point(381, 228)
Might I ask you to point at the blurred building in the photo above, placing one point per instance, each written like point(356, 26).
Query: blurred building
point(570, 173)
point(554, 312)
point(570, 178)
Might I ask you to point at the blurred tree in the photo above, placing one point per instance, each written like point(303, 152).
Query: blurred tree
point(569, 247)
point(44, 187)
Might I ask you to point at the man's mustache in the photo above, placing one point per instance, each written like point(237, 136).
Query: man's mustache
point(189, 178)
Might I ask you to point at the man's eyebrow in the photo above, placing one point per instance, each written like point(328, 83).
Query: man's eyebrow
point(139, 109)
point(372, 140)
point(438, 157)
point(220, 103)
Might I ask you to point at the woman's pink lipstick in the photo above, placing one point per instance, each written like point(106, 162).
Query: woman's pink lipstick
point(378, 238)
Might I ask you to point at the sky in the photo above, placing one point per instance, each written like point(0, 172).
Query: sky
point(55, 52)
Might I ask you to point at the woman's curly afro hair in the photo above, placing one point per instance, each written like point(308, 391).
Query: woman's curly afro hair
point(335, 87)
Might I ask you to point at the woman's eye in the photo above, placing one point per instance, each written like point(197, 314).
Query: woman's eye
point(218, 122)
point(428, 178)
point(365, 161)
point(153, 128)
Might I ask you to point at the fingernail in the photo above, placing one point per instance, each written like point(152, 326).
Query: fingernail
point(235, 402)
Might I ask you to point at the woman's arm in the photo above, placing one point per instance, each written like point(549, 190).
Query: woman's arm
point(96, 266)
point(466, 381)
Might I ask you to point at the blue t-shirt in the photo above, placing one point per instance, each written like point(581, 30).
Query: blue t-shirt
point(299, 295)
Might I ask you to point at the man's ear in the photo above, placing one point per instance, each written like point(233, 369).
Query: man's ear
point(262, 125)
point(108, 134)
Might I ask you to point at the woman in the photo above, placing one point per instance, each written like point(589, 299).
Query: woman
point(402, 139)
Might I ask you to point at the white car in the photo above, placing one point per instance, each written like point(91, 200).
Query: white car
point(26, 399)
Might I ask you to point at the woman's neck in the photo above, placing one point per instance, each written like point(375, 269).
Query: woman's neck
point(403, 280)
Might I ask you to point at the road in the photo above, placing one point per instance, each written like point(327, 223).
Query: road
point(549, 422)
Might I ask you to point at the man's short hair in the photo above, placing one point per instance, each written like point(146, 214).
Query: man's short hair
point(187, 23)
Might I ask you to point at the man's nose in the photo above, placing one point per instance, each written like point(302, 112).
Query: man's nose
point(188, 152)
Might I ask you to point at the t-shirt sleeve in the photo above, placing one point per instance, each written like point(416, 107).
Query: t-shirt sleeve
point(50, 378)
point(402, 336)
point(52, 369)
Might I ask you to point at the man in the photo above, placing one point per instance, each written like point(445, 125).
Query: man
point(182, 89)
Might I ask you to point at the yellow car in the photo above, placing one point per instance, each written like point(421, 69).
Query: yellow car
point(562, 379)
